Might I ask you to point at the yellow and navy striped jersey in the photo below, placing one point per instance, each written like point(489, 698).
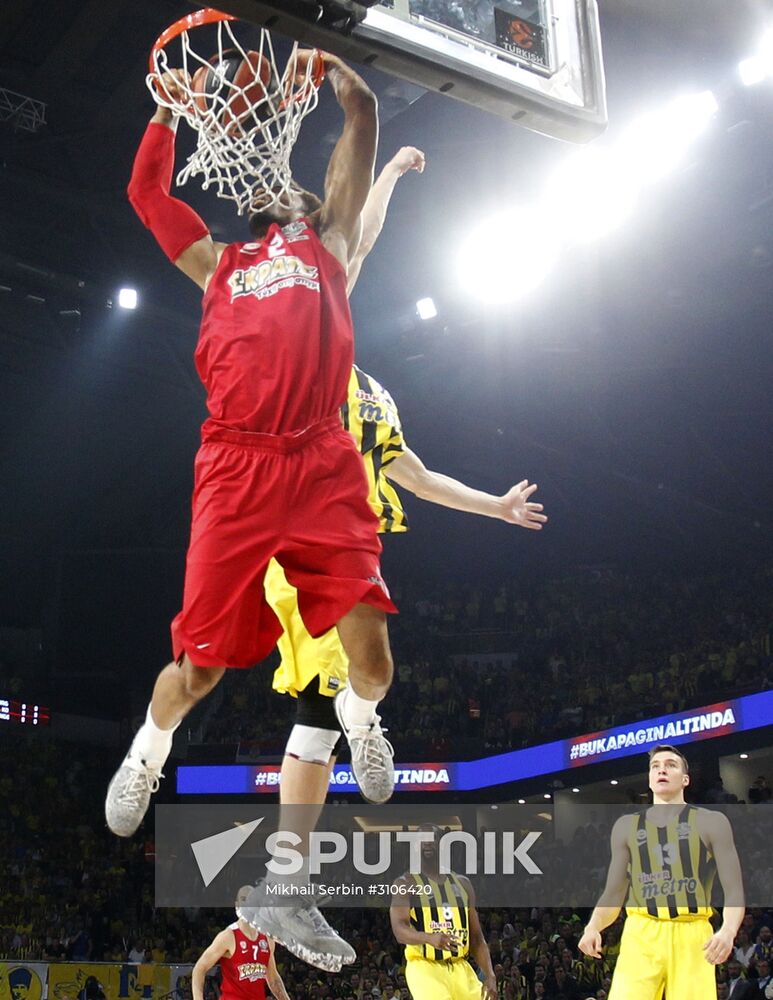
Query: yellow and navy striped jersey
point(371, 417)
point(671, 870)
point(442, 909)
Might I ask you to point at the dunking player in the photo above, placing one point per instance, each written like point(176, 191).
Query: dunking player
point(667, 857)
point(434, 916)
point(246, 959)
point(277, 474)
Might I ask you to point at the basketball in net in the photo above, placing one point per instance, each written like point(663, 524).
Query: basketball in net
point(245, 109)
point(239, 90)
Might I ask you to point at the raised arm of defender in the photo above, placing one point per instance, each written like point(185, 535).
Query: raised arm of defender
point(515, 507)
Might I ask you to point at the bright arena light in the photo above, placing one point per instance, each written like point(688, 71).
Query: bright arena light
point(127, 298)
point(589, 195)
point(426, 309)
point(758, 67)
point(752, 71)
point(505, 258)
point(657, 142)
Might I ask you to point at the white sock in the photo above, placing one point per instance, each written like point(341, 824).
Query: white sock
point(151, 744)
point(357, 711)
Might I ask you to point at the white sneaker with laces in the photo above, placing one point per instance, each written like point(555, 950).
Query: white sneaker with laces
point(302, 929)
point(128, 795)
point(373, 756)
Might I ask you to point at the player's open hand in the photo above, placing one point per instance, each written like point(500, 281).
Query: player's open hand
point(409, 158)
point(305, 63)
point(590, 943)
point(518, 509)
point(172, 87)
point(490, 989)
point(718, 948)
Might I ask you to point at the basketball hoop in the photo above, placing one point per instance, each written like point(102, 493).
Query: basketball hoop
point(246, 114)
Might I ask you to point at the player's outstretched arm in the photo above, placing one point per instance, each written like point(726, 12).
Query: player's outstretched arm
point(223, 944)
point(515, 507)
point(179, 231)
point(479, 948)
point(375, 210)
point(273, 979)
point(717, 834)
point(349, 175)
point(613, 896)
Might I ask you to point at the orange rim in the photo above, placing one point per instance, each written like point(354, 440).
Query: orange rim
point(206, 16)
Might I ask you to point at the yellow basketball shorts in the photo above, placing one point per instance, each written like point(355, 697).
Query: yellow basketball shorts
point(302, 658)
point(663, 955)
point(428, 980)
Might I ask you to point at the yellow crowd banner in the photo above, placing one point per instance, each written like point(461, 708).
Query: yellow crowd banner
point(23, 980)
point(93, 981)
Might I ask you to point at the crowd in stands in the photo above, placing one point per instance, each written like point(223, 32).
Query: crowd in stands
point(74, 892)
point(498, 669)
point(607, 649)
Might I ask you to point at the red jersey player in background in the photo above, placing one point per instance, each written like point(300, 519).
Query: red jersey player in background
point(246, 959)
point(276, 475)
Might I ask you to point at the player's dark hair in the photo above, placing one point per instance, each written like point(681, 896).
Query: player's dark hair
point(667, 748)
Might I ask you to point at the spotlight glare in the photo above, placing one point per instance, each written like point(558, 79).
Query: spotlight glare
point(507, 257)
point(657, 142)
point(426, 309)
point(752, 71)
point(614, 781)
point(546, 795)
point(127, 298)
point(575, 790)
point(590, 194)
point(521, 802)
point(743, 756)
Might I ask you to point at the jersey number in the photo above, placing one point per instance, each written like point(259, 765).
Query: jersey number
point(665, 854)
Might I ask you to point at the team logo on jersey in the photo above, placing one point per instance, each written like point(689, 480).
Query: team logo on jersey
point(375, 407)
point(272, 276)
point(243, 945)
point(252, 971)
point(295, 232)
point(683, 831)
point(641, 837)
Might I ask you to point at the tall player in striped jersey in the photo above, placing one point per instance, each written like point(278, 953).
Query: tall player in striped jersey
point(315, 671)
point(434, 916)
point(246, 959)
point(667, 858)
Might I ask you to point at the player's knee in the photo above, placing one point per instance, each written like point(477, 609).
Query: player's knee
point(375, 664)
point(199, 681)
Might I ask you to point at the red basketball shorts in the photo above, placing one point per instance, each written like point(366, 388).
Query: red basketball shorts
point(299, 497)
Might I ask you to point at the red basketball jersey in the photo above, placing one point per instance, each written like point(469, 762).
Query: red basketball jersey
point(244, 973)
point(276, 344)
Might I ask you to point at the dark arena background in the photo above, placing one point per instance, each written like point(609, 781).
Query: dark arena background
point(610, 343)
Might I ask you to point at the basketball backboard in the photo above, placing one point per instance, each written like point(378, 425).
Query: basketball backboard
point(535, 62)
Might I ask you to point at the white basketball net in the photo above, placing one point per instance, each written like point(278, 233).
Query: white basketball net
point(245, 134)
